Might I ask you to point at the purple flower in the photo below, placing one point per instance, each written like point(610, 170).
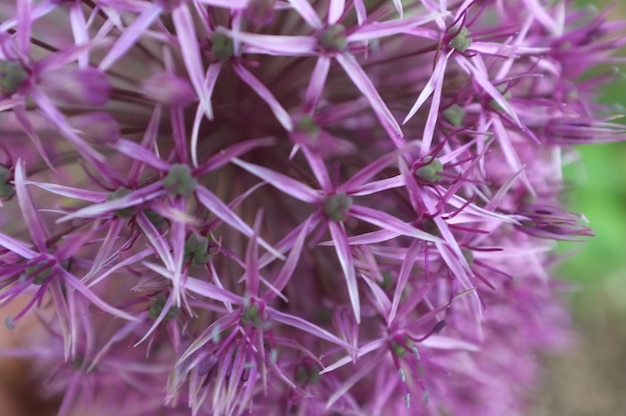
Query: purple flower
point(292, 207)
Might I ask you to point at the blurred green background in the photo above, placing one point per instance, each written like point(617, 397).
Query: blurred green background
point(589, 378)
point(598, 185)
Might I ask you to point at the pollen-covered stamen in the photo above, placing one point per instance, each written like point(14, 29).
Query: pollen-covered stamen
point(124, 212)
point(157, 304)
point(221, 47)
point(333, 38)
point(196, 251)
point(429, 170)
point(179, 181)
point(12, 76)
point(337, 206)
point(461, 40)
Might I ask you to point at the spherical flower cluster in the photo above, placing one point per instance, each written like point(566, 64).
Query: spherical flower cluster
point(292, 207)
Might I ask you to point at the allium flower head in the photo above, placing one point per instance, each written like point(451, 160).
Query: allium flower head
point(308, 207)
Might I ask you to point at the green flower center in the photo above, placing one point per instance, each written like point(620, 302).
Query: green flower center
point(222, 47)
point(307, 124)
point(462, 41)
point(6, 189)
point(399, 349)
point(156, 307)
point(333, 38)
point(12, 75)
point(124, 212)
point(252, 315)
point(337, 206)
point(196, 250)
point(308, 374)
point(179, 181)
point(455, 114)
point(431, 170)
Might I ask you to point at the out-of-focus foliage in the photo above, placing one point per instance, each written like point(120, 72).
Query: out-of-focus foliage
point(599, 192)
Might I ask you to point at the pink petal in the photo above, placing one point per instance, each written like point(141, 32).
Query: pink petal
point(317, 82)
point(221, 210)
point(140, 153)
point(187, 38)
point(390, 223)
point(73, 282)
point(306, 326)
point(226, 155)
point(134, 198)
point(281, 182)
point(266, 95)
point(335, 10)
point(18, 247)
point(377, 30)
point(37, 231)
point(364, 84)
point(344, 254)
point(131, 34)
point(306, 11)
point(275, 44)
point(436, 77)
point(292, 261)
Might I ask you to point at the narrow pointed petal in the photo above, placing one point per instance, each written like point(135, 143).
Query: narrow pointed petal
point(266, 95)
point(131, 35)
point(306, 326)
point(183, 22)
point(344, 254)
point(281, 182)
point(37, 231)
point(364, 84)
point(304, 9)
point(390, 223)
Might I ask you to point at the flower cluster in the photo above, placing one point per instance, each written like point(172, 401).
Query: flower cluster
point(307, 207)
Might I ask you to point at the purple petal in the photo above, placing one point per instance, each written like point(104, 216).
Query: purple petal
point(187, 38)
point(37, 231)
point(266, 95)
point(220, 209)
point(317, 82)
point(390, 223)
point(306, 326)
point(344, 254)
point(336, 9)
point(275, 44)
point(378, 30)
point(364, 84)
point(306, 11)
point(91, 297)
point(281, 182)
point(140, 153)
